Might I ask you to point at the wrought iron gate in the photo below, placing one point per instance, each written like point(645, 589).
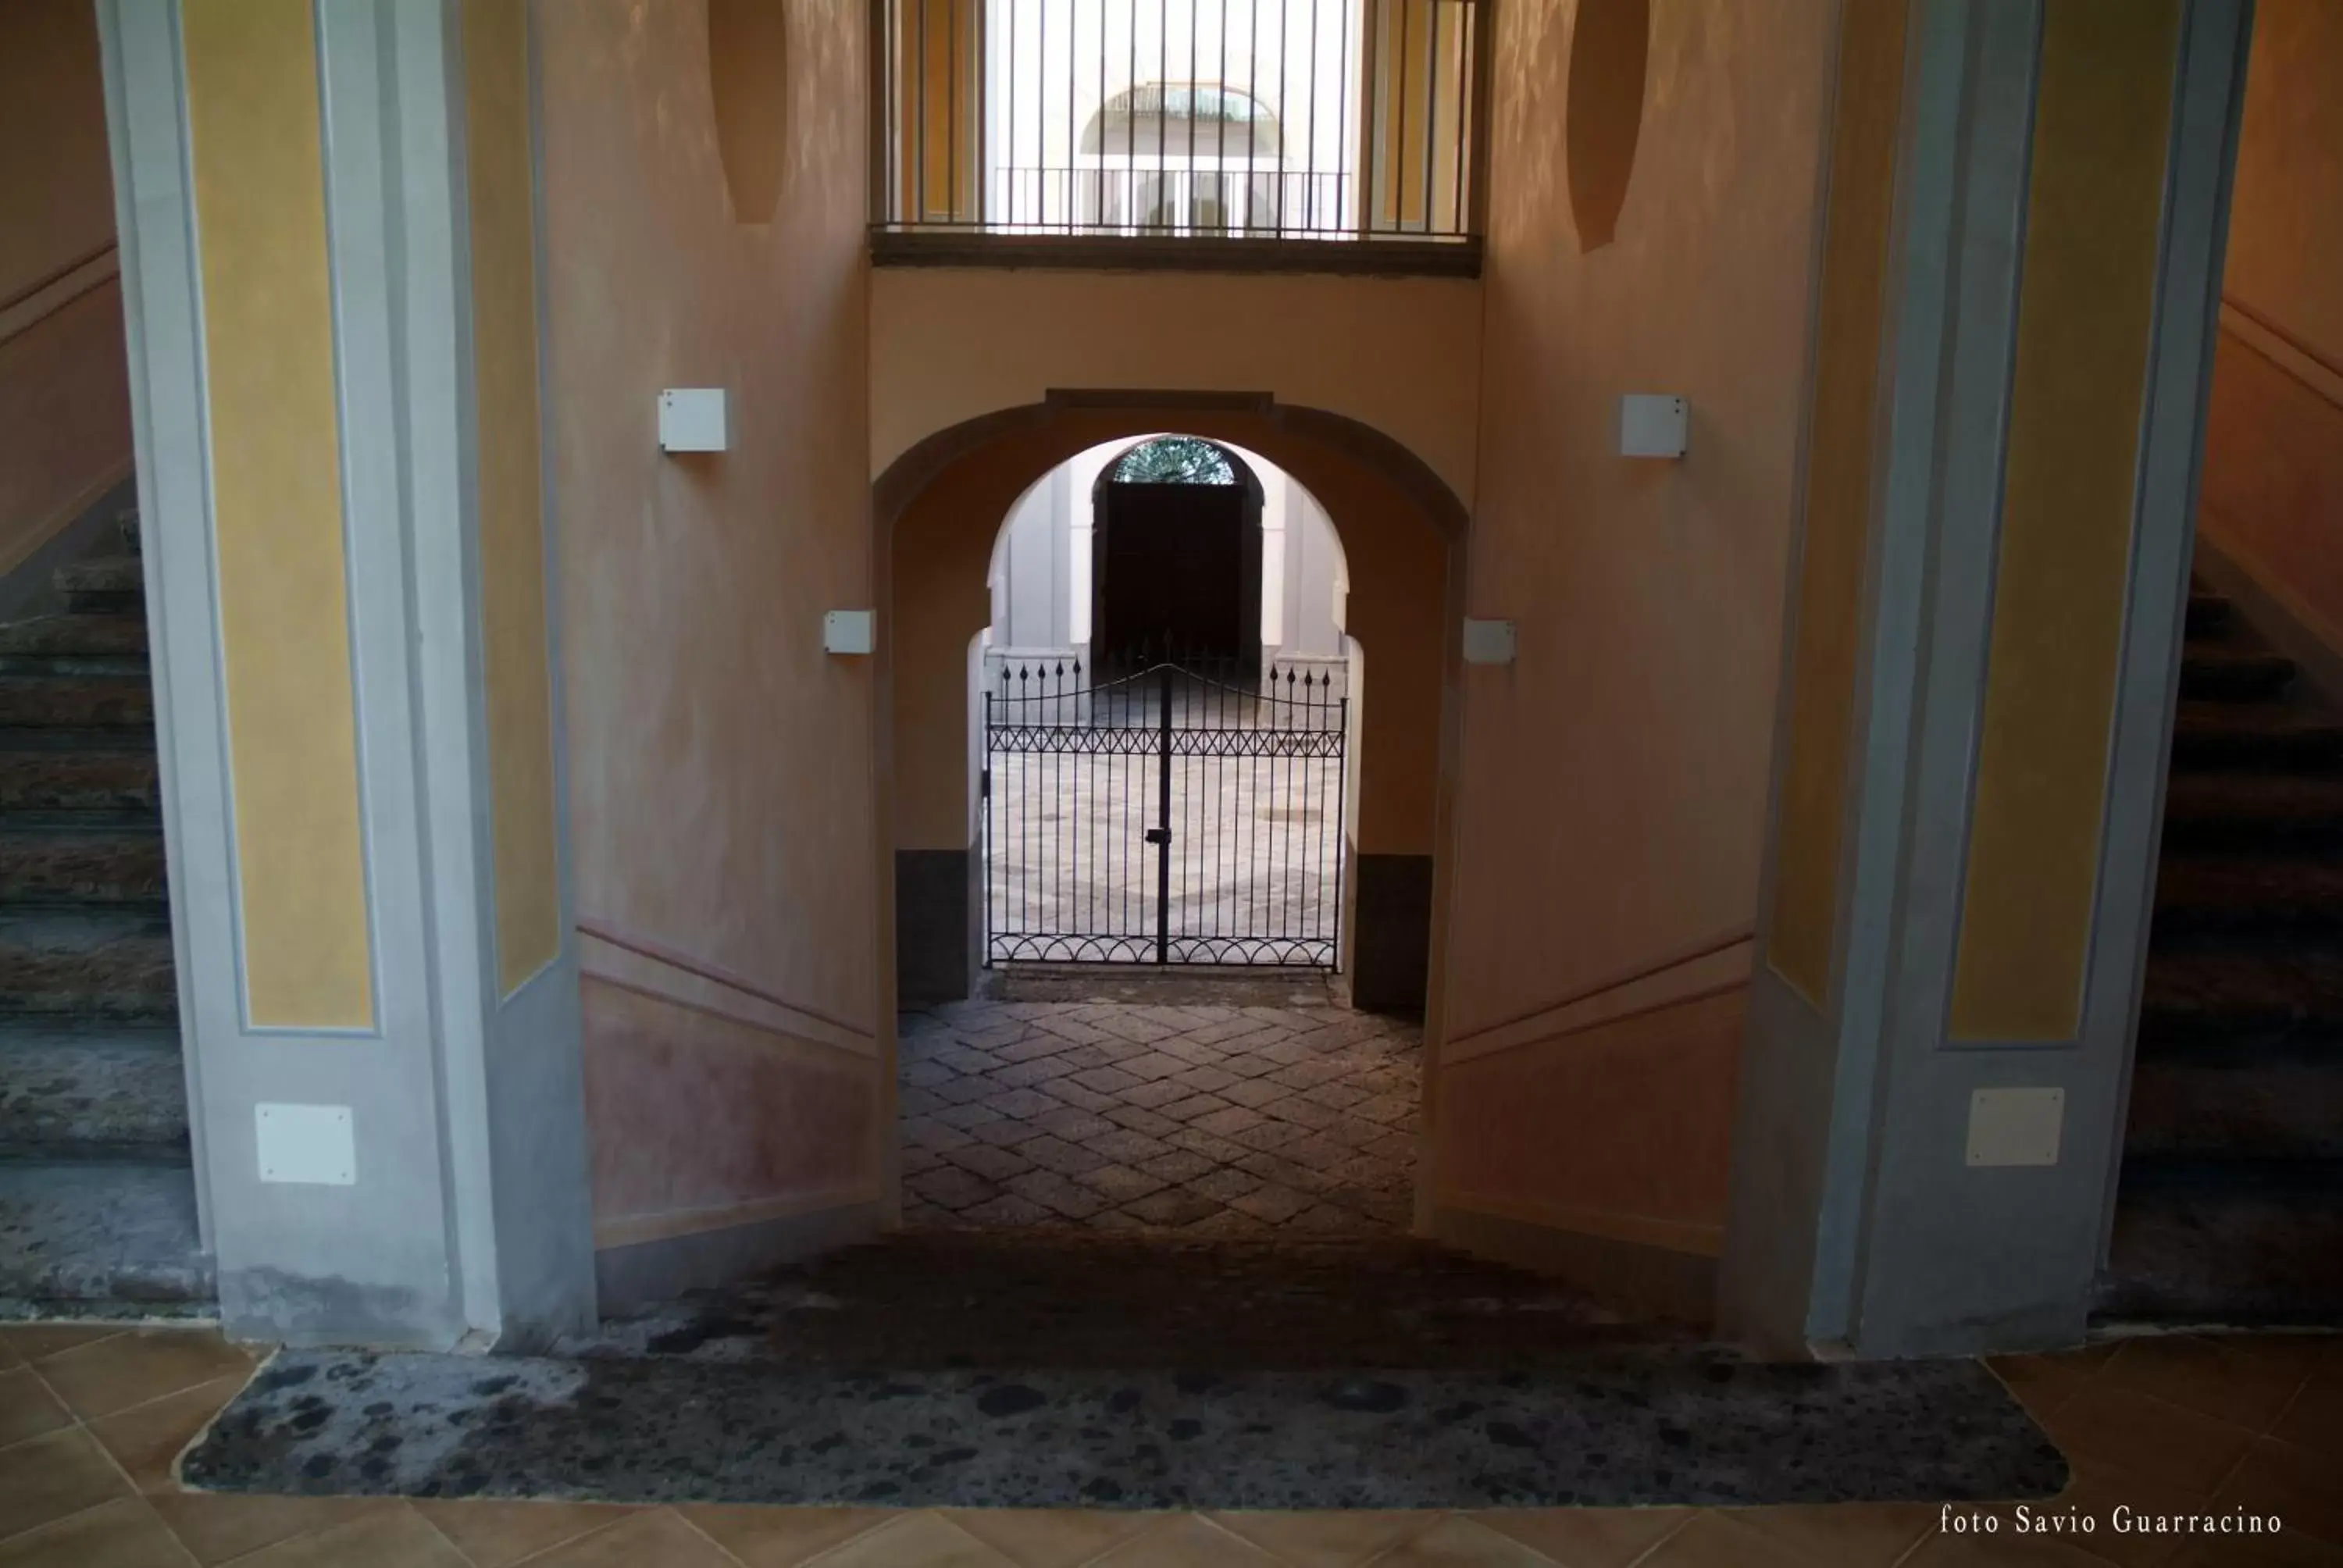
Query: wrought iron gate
point(1167, 817)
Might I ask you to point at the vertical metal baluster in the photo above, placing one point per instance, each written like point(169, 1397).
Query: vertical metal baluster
point(1163, 817)
point(951, 110)
point(1162, 106)
point(1431, 104)
point(920, 117)
point(1468, 35)
point(1284, 75)
point(1310, 161)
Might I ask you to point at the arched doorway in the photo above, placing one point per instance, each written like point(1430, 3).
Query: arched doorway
point(937, 509)
point(1176, 559)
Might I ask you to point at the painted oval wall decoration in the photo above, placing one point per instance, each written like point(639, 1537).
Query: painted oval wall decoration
point(748, 76)
point(1608, 49)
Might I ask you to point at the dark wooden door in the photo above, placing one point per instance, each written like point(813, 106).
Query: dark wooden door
point(1177, 575)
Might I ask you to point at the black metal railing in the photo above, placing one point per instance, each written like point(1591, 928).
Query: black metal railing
point(1164, 818)
point(1314, 119)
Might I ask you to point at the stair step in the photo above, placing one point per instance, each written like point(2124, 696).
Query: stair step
point(72, 865)
point(2201, 1003)
point(2230, 735)
point(87, 967)
point(2207, 611)
point(124, 781)
point(74, 645)
point(70, 1093)
point(2201, 897)
point(2211, 673)
point(2228, 1243)
point(104, 585)
point(2253, 811)
point(76, 1234)
point(2248, 1105)
point(102, 702)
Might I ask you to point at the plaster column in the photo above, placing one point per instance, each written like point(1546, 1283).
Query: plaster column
point(327, 218)
point(2019, 272)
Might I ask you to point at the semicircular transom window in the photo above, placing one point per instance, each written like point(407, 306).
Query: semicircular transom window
point(1201, 119)
point(1175, 460)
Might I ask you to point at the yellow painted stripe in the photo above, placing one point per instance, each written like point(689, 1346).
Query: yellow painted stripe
point(515, 652)
point(2086, 305)
point(1837, 525)
point(268, 362)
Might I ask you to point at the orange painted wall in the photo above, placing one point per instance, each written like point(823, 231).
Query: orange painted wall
point(719, 763)
point(2272, 495)
point(1612, 793)
point(64, 395)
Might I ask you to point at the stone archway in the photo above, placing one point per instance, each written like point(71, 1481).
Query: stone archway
point(937, 511)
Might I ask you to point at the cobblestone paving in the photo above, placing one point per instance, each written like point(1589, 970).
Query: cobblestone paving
point(1211, 1120)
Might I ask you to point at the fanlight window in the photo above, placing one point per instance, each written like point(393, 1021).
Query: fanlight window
point(1202, 119)
point(1175, 460)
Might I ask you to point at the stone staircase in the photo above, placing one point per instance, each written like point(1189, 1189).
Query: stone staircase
point(2230, 1208)
point(98, 1210)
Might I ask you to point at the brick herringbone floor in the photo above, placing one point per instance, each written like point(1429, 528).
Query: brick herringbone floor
point(1208, 1120)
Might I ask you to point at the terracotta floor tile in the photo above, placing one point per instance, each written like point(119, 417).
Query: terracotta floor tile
point(2001, 1550)
point(48, 1477)
point(1051, 1537)
point(28, 1408)
point(1859, 1535)
point(2285, 1551)
point(2161, 1443)
point(1456, 1541)
point(2301, 1486)
point(1326, 1539)
point(34, 1341)
point(1186, 1541)
point(2232, 1380)
point(1588, 1537)
point(497, 1534)
point(116, 1373)
point(1716, 1541)
point(123, 1534)
point(215, 1527)
point(395, 1537)
point(783, 1537)
point(654, 1538)
point(2095, 1493)
point(2043, 1383)
point(920, 1540)
point(2315, 1420)
point(146, 1440)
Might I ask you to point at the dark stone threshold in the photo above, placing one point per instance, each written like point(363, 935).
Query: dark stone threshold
point(1379, 257)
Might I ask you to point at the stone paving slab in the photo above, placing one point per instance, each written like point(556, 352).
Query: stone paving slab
point(1217, 1118)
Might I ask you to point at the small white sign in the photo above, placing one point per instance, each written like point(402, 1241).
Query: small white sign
point(2015, 1126)
point(1488, 642)
point(692, 419)
point(850, 631)
point(1653, 425)
point(307, 1143)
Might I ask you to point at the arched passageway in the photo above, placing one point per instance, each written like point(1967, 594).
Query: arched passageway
point(939, 509)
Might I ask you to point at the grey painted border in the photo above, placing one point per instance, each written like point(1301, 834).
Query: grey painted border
point(2209, 105)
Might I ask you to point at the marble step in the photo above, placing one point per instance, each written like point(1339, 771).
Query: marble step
point(2226, 1243)
point(82, 1234)
point(2208, 612)
point(107, 585)
point(93, 969)
point(71, 864)
point(2206, 1003)
point(83, 702)
point(73, 1093)
point(2213, 673)
point(74, 645)
point(2253, 811)
point(2211, 735)
point(2223, 897)
point(2248, 1105)
point(121, 782)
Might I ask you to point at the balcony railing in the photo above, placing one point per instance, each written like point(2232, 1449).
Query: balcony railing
point(1261, 120)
